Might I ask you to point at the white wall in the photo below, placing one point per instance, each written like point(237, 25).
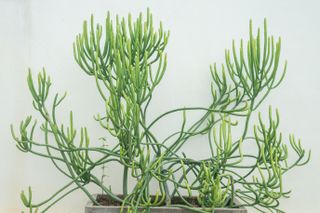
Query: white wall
point(40, 33)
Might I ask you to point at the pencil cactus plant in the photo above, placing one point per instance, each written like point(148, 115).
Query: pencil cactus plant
point(127, 61)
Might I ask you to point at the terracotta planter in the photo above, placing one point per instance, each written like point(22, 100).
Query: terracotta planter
point(90, 208)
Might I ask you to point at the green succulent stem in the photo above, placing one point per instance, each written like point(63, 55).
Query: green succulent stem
point(126, 59)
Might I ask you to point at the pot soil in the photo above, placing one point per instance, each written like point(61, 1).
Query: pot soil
point(110, 206)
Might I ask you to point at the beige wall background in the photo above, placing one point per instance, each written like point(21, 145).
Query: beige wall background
point(38, 34)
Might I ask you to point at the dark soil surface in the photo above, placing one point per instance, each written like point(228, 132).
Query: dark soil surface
point(105, 200)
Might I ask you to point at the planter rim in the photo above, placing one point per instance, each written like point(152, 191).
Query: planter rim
point(92, 206)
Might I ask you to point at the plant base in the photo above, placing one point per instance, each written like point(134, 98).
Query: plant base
point(91, 208)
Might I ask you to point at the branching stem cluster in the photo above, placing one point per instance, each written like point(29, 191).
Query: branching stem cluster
point(127, 61)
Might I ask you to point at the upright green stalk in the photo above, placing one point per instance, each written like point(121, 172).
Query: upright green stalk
point(125, 181)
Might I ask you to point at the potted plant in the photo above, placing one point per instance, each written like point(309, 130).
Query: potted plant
point(127, 61)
